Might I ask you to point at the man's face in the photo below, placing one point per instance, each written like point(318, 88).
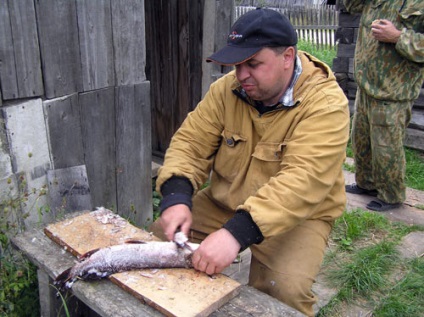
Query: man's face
point(266, 76)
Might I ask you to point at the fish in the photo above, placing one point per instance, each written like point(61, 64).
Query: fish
point(101, 263)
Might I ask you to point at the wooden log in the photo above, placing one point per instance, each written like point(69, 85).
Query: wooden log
point(419, 103)
point(345, 35)
point(352, 87)
point(340, 65)
point(349, 20)
point(133, 153)
point(98, 134)
point(20, 71)
point(417, 120)
point(414, 139)
point(58, 33)
point(346, 50)
point(64, 131)
point(95, 36)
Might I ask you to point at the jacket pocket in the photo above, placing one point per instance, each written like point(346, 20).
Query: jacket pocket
point(376, 3)
point(230, 155)
point(268, 160)
point(412, 18)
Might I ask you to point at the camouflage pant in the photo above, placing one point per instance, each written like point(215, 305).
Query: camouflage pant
point(378, 134)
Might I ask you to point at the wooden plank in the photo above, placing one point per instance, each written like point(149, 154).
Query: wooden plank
point(128, 28)
point(95, 36)
point(64, 131)
point(174, 292)
point(174, 44)
point(26, 49)
point(160, 39)
point(251, 302)
point(92, 230)
point(58, 35)
point(68, 190)
point(133, 153)
point(8, 76)
point(98, 135)
point(193, 49)
point(208, 44)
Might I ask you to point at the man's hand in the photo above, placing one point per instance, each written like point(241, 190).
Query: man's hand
point(385, 31)
point(216, 252)
point(174, 217)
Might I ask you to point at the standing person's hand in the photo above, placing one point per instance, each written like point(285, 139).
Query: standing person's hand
point(385, 31)
point(216, 252)
point(176, 217)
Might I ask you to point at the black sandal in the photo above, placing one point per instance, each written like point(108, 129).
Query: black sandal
point(355, 189)
point(379, 205)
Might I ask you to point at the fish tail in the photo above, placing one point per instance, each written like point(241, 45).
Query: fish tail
point(64, 280)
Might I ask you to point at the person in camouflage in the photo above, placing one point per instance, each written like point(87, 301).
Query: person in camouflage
point(389, 71)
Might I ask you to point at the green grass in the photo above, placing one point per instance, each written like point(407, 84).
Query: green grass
point(356, 224)
point(406, 297)
point(414, 169)
point(365, 270)
point(363, 264)
point(326, 54)
point(414, 175)
point(18, 283)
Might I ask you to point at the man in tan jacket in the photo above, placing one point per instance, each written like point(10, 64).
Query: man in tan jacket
point(271, 135)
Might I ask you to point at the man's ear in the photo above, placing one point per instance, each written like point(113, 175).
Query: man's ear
point(289, 57)
point(290, 53)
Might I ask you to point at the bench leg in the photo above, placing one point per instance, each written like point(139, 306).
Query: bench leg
point(51, 305)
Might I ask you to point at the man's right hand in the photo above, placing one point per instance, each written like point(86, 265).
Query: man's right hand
point(174, 217)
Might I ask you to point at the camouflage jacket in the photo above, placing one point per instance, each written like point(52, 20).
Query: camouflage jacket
point(389, 71)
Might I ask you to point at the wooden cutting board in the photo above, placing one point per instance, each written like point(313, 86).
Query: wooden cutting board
point(174, 292)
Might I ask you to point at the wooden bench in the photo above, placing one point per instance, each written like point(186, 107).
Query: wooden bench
point(104, 298)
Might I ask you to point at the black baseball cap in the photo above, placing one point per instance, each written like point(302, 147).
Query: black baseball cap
point(253, 31)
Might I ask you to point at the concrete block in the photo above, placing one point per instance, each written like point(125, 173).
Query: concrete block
point(5, 163)
point(26, 133)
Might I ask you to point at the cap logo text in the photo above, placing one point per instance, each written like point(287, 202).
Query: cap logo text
point(234, 35)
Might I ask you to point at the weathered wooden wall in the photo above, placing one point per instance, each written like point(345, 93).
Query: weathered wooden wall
point(75, 104)
point(343, 67)
point(174, 55)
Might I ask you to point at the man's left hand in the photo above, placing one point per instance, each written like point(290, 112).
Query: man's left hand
point(385, 31)
point(216, 252)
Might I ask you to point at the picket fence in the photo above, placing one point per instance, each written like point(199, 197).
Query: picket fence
point(316, 24)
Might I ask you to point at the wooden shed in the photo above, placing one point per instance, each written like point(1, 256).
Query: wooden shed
point(75, 107)
point(89, 89)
